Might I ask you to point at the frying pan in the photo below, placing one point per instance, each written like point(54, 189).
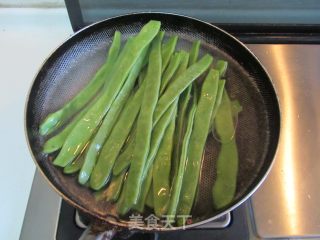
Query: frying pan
point(73, 64)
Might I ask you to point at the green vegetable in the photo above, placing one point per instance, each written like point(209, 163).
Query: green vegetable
point(54, 120)
point(221, 66)
point(144, 125)
point(221, 85)
point(142, 76)
point(161, 171)
point(179, 84)
point(216, 106)
point(149, 200)
point(109, 120)
point(112, 192)
point(158, 133)
point(75, 166)
point(123, 160)
point(182, 107)
point(110, 150)
point(169, 72)
point(56, 142)
point(178, 178)
point(77, 163)
point(167, 50)
point(86, 127)
point(145, 188)
point(227, 164)
point(194, 53)
point(116, 187)
point(197, 142)
point(182, 66)
point(183, 104)
point(125, 157)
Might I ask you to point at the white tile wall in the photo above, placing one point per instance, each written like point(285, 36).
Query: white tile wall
point(27, 36)
point(31, 3)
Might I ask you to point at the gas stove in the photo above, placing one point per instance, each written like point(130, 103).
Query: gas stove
point(56, 219)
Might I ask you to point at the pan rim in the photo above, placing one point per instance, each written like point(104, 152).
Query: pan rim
point(121, 223)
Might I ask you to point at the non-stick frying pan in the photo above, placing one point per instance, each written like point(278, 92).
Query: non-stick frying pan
point(73, 64)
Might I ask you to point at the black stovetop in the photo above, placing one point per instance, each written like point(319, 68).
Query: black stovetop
point(237, 229)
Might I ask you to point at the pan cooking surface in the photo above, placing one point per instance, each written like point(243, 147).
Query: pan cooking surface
point(73, 64)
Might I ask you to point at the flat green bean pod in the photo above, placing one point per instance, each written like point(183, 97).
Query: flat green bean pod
point(144, 125)
point(194, 53)
point(197, 142)
point(115, 187)
point(110, 150)
point(86, 127)
point(75, 166)
point(221, 66)
point(216, 106)
point(145, 188)
point(167, 50)
point(225, 185)
point(161, 171)
point(112, 192)
point(54, 120)
point(178, 178)
point(158, 133)
point(183, 104)
point(109, 120)
point(180, 84)
point(179, 131)
point(124, 158)
point(149, 200)
point(182, 107)
point(182, 66)
point(56, 142)
point(77, 163)
point(169, 72)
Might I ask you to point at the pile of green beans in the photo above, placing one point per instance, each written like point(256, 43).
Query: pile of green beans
point(136, 133)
